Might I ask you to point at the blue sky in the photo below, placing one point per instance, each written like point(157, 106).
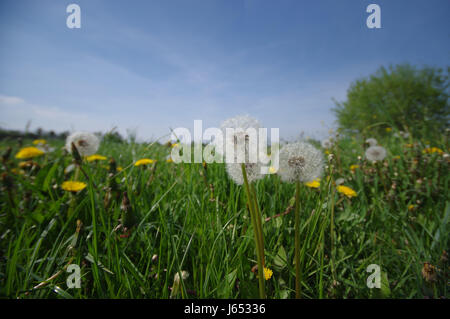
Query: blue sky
point(153, 65)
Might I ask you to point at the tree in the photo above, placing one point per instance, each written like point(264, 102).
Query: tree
point(401, 97)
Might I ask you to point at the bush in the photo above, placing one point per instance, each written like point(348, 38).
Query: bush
point(402, 97)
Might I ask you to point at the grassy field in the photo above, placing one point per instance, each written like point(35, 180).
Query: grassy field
point(193, 218)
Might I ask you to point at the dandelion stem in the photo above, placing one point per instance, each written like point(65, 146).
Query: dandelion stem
point(333, 252)
point(258, 224)
point(253, 215)
point(72, 197)
point(298, 274)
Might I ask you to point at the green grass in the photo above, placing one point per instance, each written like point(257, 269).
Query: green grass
point(206, 230)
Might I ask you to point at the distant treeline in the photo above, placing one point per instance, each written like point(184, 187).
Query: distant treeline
point(41, 133)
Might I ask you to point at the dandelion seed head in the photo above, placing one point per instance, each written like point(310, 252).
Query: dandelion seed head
point(371, 141)
point(300, 162)
point(184, 275)
point(241, 121)
point(326, 143)
point(240, 141)
point(86, 143)
point(375, 153)
point(253, 171)
point(240, 124)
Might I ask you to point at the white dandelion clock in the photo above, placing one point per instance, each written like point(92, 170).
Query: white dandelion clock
point(241, 121)
point(253, 171)
point(375, 153)
point(86, 143)
point(300, 162)
point(238, 131)
point(371, 141)
point(326, 143)
point(243, 143)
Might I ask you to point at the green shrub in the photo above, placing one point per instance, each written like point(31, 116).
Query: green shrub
point(403, 97)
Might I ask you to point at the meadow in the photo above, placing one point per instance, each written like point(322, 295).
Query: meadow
point(134, 229)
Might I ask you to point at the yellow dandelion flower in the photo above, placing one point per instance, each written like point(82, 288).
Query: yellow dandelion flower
point(272, 170)
point(73, 186)
point(119, 168)
point(354, 167)
point(313, 184)
point(397, 157)
point(431, 150)
point(388, 129)
point(411, 207)
point(29, 152)
point(144, 161)
point(174, 145)
point(39, 141)
point(347, 191)
point(96, 157)
point(169, 160)
point(327, 152)
point(268, 273)
point(409, 145)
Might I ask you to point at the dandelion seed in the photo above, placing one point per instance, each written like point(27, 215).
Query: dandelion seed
point(144, 161)
point(340, 181)
point(268, 273)
point(371, 141)
point(73, 186)
point(375, 153)
point(300, 162)
point(29, 152)
point(347, 191)
point(86, 143)
point(96, 157)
